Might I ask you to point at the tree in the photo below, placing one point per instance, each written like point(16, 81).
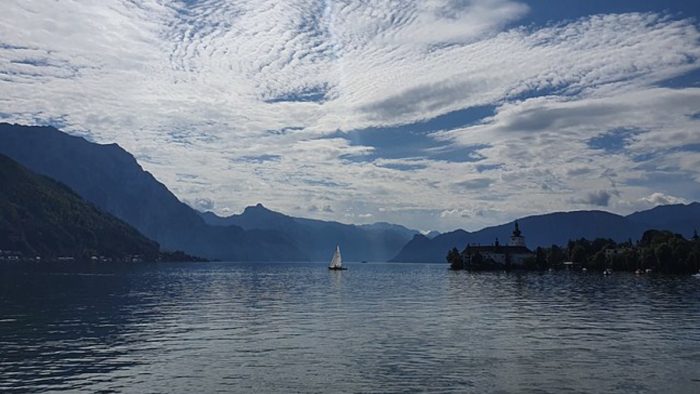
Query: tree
point(455, 260)
point(664, 256)
point(476, 261)
point(555, 256)
point(598, 261)
point(578, 254)
point(647, 258)
point(540, 258)
point(693, 262)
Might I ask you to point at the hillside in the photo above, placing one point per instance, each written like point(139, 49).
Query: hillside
point(679, 218)
point(111, 179)
point(41, 217)
point(539, 230)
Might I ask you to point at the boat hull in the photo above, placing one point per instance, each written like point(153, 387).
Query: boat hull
point(337, 268)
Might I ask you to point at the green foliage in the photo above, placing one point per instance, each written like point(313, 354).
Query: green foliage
point(455, 260)
point(660, 251)
point(555, 256)
point(41, 217)
point(578, 253)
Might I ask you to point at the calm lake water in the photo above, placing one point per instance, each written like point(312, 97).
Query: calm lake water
point(230, 327)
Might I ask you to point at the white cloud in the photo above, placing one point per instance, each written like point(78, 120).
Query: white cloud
point(540, 148)
point(237, 94)
point(663, 199)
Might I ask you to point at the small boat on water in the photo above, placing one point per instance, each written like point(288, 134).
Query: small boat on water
point(337, 261)
point(607, 271)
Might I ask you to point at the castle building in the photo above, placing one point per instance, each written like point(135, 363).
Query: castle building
point(517, 238)
point(513, 254)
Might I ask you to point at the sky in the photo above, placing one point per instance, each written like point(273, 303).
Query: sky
point(434, 114)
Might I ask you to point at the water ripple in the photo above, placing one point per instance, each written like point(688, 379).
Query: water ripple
point(223, 327)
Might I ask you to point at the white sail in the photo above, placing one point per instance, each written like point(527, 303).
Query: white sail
point(337, 260)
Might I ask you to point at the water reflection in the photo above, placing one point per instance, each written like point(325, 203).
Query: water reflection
point(376, 327)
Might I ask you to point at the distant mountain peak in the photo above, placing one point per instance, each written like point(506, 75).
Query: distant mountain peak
point(432, 234)
point(259, 209)
point(110, 178)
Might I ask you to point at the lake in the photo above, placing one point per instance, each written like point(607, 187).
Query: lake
point(296, 327)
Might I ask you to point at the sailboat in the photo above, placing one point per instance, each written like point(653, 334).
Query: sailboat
point(337, 261)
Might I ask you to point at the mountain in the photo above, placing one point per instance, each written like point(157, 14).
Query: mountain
point(679, 218)
point(384, 226)
point(554, 229)
point(432, 234)
point(111, 179)
point(317, 238)
point(41, 217)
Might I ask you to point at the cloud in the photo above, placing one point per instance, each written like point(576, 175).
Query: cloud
point(203, 204)
point(599, 198)
point(253, 100)
point(419, 99)
point(663, 199)
point(613, 141)
point(475, 183)
point(467, 213)
point(324, 208)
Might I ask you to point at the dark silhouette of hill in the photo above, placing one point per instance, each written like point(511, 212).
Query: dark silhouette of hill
point(557, 229)
point(317, 238)
point(680, 218)
point(41, 217)
point(112, 180)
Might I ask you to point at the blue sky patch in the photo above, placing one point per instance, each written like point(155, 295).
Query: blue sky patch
point(488, 167)
point(688, 79)
point(613, 141)
point(315, 94)
point(543, 12)
point(403, 166)
point(415, 140)
point(260, 158)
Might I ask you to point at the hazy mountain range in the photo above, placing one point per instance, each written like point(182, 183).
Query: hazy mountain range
point(557, 229)
point(111, 179)
point(375, 242)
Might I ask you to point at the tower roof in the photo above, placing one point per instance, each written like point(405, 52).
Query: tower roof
point(517, 232)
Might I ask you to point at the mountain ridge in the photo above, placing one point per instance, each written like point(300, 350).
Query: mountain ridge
point(558, 228)
point(111, 178)
point(376, 242)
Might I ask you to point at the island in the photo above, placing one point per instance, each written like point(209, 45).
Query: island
point(656, 251)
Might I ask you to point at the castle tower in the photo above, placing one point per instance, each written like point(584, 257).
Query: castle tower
point(517, 238)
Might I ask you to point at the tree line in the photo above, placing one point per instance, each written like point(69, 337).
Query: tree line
point(658, 251)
